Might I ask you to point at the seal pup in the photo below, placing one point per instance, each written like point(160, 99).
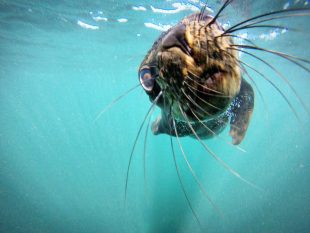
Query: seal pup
point(200, 79)
point(194, 74)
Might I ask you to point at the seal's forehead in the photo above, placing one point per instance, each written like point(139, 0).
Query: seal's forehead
point(197, 17)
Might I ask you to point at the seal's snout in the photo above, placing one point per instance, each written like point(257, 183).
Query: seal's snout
point(176, 38)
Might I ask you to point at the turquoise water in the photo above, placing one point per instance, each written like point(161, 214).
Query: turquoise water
point(62, 62)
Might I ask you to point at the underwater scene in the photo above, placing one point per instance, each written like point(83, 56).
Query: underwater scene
point(80, 147)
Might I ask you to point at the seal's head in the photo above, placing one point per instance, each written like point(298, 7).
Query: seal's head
point(194, 67)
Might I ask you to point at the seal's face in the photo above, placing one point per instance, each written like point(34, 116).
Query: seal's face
point(194, 68)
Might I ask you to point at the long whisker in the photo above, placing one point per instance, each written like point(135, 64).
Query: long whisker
point(272, 51)
point(261, 96)
point(194, 102)
point(267, 14)
point(144, 150)
point(250, 26)
point(227, 2)
point(182, 185)
point(115, 101)
point(192, 170)
point(227, 167)
point(258, 90)
point(277, 89)
point(269, 81)
point(283, 55)
point(206, 102)
point(279, 75)
point(136, 140)
point(198, 83)
point(236, 36)
point(256, 23)
point(253, 81)
point(202, 109)
point(202, 11)
point(213, 133)
point(179, 175)
point(203, 92)
point(242, 67)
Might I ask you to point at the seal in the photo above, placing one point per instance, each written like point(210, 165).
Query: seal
point(193, 73)
point(197, 74)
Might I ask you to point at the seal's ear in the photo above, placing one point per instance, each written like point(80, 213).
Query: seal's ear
point(176, 38)
point(146, 79)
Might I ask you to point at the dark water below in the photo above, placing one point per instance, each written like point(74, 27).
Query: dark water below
point(61, 172)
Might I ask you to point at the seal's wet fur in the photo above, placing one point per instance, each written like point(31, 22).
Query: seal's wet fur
point(201, 81)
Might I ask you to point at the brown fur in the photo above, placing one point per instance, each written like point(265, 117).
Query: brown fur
point(197, 70)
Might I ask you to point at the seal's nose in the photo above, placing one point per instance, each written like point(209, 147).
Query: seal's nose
point(176, 38)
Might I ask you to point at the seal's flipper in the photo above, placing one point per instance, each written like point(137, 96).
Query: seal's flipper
point(162, 125)
point(241, 110)
point(155, 126)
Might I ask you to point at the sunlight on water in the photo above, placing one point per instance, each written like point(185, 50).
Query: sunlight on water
point(61, 171)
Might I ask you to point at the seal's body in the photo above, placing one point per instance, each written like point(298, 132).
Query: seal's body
point(197, 72)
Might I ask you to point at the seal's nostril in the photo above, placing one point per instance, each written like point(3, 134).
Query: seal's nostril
point(176, 38)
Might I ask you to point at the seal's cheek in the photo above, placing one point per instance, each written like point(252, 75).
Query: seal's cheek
point(146, 80)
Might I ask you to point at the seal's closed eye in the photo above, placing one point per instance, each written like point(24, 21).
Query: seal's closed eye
point(146, 79)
